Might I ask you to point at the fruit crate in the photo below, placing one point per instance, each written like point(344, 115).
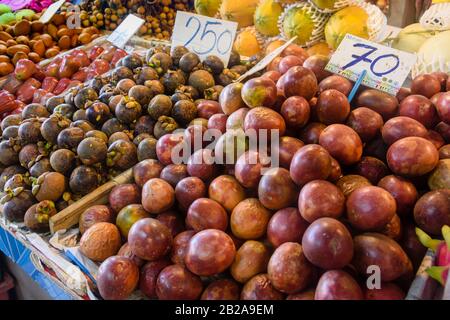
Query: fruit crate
point(426, 288)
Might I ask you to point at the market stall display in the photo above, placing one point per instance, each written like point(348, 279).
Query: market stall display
point(164, 175)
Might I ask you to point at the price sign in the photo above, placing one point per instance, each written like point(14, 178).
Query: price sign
point(125, 31)
point(51, 10)
point(266, 60)
point(204, 35)
point(386, 68)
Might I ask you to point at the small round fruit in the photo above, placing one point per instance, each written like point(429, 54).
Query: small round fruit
point(276, 190)
point(157, 196)
point(248, 169)
point(149, 275)
point(93, 215)
point(149, 239)
point(249, 219)
point(320, 198)
point(180, 245)
point(251, 259)
point(343, 143)
point(295, 111)
point(403, 191)
point(227, 191)
point(262, 118)
point(332, 107)
point(401, 127)
point(177, 283)
point(287, 147)
point(366, 122)
point(222, 289)
point(289, 271)
point(412, 156)
point(259, 92)
point(123, 195)
point(350, 183)
point(432, 211)
point(374, 249)
point(338, 285)
point(328, 244)
point(426, 85)
point(146, 170)
point(188, 190)
point(128, 215)
point(309, 163)
point(260, 288)
point(286, 225)
point(370, 208)
point(205, 213)
point(210, 252)
point(100, 241)
point(117, 278)
point(299, 81)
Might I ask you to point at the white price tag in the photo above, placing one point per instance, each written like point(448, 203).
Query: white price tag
point(203, 35)
point(125, 31)
point(386, 68)
point(51, 10)
point(266, 60)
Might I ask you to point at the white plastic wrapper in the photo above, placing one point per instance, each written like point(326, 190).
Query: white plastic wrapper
point(437, 17)
point(433, 55)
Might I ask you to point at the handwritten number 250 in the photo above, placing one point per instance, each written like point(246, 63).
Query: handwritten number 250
point(373, 62)
point(207, 33)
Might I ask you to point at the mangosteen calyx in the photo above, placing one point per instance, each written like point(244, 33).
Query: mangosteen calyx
point(10, 194)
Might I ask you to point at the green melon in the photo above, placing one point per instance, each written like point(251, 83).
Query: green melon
point(412, 37)
point(207, 7)
point(266, 17)
point(298, 22)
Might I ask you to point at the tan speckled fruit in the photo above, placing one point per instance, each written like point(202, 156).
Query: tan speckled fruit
point(100, 241)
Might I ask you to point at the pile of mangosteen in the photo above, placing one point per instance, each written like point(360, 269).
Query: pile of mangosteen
point(52, 155)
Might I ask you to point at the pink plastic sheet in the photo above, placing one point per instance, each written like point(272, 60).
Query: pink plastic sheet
point(27, 4)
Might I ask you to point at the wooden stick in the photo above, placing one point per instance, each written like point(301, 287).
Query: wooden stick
point(70, 216)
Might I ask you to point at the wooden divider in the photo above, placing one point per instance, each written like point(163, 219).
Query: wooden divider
point(69, 217)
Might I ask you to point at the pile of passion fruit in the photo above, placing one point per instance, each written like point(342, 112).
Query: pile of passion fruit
point(354, 180)
point(51, 155)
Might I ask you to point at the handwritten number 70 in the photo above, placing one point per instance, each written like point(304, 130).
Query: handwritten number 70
point(373, 62)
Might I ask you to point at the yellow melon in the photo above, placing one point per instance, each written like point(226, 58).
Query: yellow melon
point(247, 44)
point(240, 11)
point(297, 21)
point(351, 20)
point(207, 7)
point(266, 17)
